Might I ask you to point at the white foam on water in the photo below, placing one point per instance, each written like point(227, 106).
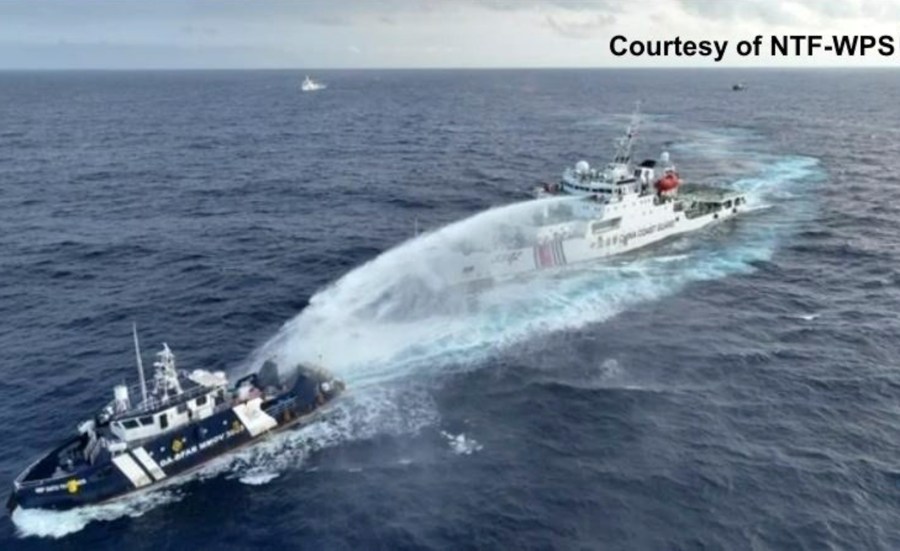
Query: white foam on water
point(401, 314)
point(393, 411)
point(356, 416)
point(806, 317)
point(258, 477)
point(460, 444)
point(56, 524)
point(398, 316)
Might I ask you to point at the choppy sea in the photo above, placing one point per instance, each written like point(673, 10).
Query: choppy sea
point(733, 389)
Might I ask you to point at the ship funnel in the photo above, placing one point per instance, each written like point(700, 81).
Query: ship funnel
point(120, 392)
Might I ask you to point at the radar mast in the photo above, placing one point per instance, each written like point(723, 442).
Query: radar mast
point(625, 143)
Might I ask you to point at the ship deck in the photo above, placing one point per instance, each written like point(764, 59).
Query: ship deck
point(707, 194)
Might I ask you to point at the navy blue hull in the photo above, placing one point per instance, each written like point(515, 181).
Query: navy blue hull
point(169, 455)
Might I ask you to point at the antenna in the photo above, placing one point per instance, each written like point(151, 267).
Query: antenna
point(140, 364)
point(623, 151)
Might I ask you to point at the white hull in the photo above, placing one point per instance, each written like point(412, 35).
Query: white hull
point(599, 213)
point(611, 232)
point(310, 85)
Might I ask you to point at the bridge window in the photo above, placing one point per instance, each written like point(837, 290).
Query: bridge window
point(201, 401)
point(599, 227)
point(164, 420)
point(182, 408)
point(130, 424)
point(148, 420)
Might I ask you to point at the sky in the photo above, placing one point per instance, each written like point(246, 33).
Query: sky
point(315, 34)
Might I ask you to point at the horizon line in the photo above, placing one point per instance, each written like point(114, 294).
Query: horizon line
point(496, 68)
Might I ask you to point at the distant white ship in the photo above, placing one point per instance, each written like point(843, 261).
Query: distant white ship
point(310, 85)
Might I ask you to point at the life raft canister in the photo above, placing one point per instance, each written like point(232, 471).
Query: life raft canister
point(668, 182)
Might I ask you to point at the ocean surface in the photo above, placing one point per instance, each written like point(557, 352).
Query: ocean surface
point(738, 388)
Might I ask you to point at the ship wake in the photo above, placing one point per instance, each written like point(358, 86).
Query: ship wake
point(386, 411)
point(393, 323)
point(405, 313)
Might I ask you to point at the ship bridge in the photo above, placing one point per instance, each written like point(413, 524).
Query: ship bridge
point(177, 398)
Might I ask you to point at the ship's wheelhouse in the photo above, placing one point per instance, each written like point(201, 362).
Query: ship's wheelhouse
point(197, 403)
point(713, 203)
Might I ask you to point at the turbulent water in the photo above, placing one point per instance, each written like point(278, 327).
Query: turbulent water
point(735, 388)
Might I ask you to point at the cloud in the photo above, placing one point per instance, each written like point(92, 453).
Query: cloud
point(571, 5)
point(769, 11)
point(792, 12)
point(199, 30)
point(398, 33)
point(579, 27)
point(577, 19)
point(101, 54)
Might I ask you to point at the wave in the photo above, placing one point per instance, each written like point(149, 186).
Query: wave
point(354, 329)
point(356, 416)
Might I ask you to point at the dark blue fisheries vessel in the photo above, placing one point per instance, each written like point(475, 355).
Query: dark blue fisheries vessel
point(182, 421)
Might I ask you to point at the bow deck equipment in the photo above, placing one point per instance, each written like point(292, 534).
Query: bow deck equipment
point(183, 419)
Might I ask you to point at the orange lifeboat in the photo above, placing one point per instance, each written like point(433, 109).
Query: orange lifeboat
point(668, 182)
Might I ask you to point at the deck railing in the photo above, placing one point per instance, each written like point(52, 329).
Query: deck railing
point(152, 403)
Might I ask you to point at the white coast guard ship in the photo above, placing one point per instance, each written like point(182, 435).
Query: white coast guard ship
point(310, 85)
point(596, 213)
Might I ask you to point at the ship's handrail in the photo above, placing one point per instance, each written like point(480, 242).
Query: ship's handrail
point(153, 403)
point(280, 408)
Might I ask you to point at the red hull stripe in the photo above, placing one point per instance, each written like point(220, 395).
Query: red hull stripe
point(549, 254)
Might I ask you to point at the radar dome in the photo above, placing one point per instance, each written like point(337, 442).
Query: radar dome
point(582, 167)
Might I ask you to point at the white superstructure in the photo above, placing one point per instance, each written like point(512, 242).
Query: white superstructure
point(582, 179)
point(598, 213)
point(310, 85)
